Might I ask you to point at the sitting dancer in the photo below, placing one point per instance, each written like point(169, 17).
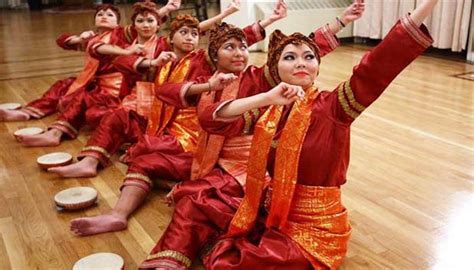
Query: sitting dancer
point(127, 124)
point(96, 90)
point(295, 219)
point(54, 98)
point(166, 150)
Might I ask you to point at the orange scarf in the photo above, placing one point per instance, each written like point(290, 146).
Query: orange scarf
point(90, 67)
point(142, 95)
point(317, 221)
point(210, 145)
point(161, 113)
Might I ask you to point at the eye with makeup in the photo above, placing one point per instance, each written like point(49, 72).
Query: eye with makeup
point(309, 56)
point(291, 57)
point(229, 47)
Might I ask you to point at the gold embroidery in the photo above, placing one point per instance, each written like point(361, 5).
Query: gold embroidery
point(264, 131)
point(350, 95)
point(344, 104)
point(256, 113)
point(67, 125)
point(180, 257)
point(248, 122)
point(269, 77)
point(97, 149)
point(274, 144)
point(139, 176)
point(35, 111)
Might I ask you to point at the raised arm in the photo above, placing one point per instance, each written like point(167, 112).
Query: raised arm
point(380, 66)
point(233, 7)
point(172, 5)
point(423, 11)
point(279, 12)
point(349, 15)
point(325, 37)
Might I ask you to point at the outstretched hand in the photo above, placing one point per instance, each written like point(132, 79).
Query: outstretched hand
point(233, 7)
point(353, 12)
point(280, 11)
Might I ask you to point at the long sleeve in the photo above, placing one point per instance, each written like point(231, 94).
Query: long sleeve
point(253, 82)
point(325, 39)
point(378, 68)
point(117, 38)
point(174, 93)
point(127, 64)
point(197, 68)
point(254, 33)
point(62, 40)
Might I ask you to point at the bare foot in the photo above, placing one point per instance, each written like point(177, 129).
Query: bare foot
point(87, 167)
point(13, 115)
point(98, 224)
point(51, 137)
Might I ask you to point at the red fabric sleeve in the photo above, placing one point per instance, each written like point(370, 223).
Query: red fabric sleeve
point(252, 82)
point(378, 68)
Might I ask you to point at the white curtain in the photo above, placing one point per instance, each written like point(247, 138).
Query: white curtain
point(448, 24)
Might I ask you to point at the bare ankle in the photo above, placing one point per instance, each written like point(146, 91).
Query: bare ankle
point(91, 161)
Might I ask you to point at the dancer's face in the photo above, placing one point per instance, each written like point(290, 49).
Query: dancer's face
point(186, 39)
point(106, 19)
point(232, 56)
point(146, 25)
point(298, 65)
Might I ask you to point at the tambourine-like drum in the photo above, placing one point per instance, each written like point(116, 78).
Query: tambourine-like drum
point(75, 198)
point(54, 160)
point(10, 106)
point(100, 261)
point(28, 131)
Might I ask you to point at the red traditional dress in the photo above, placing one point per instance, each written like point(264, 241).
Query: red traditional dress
point(297, 220)
point(230, 155)
point(128, 121)
point(166, 152)
point(55, 96)
point(96, 89)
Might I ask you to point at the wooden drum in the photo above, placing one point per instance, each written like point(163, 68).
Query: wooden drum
point(75, 198)
point(100, 261)
point(54, 160)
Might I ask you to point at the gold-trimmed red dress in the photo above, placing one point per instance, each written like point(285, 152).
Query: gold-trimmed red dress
point(96, 89)
point(218, 161)
point(166, 151)
point(296, 220)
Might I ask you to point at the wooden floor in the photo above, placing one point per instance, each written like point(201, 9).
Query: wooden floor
point(410, 182)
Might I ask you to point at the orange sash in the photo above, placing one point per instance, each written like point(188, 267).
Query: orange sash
point(286, 166)
point(161, 113)
point(210, 145)
point(90, 67)
point(234, 156)
point(317, 220)
point(318, 223)
point(142, 94)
